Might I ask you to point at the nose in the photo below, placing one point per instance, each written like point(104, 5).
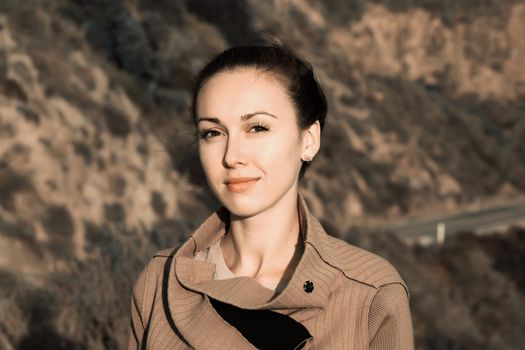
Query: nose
point(235, 152)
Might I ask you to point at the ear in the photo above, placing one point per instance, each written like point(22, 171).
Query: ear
point(312, 139)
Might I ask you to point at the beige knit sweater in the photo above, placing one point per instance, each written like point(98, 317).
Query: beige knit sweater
point(359, 301)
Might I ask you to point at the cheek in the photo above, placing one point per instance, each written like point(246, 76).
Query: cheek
point(209, 158)
point(282, 154)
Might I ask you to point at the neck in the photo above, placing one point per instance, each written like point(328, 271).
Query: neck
point(264, 243)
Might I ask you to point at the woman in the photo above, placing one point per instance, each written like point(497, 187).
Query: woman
point(260, 272)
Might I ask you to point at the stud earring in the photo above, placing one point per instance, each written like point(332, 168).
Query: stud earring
point(307, 159)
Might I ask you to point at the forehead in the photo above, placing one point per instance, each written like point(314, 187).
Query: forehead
point(243, 90)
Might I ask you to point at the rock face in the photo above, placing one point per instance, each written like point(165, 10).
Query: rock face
point(98, 165)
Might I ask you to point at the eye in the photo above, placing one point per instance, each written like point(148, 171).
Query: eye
point(259, 127)
point(208, 133)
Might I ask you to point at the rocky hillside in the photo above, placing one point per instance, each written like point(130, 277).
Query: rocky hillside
point(467, 293)
point(98, 165)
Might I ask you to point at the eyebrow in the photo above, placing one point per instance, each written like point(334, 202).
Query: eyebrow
point(243, 117)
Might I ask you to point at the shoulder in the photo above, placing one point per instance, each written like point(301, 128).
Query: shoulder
point(148, 283)
point(150, 273)
point(358, 264)
point(162, 258)
point(165, 253)
point(149, 276)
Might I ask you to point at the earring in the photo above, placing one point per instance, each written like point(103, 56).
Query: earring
point(306, 159)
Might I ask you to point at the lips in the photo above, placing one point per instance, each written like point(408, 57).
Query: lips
point(240, 184)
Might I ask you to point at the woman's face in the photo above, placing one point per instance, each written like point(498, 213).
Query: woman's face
point(248, 130)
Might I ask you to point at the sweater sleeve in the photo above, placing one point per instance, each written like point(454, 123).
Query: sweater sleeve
point(389, 321)
point(137, 324)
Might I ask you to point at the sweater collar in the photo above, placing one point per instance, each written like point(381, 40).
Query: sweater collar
point(247, 293)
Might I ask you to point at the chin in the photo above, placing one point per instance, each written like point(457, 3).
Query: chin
point(242, 207)
point(242, 204)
